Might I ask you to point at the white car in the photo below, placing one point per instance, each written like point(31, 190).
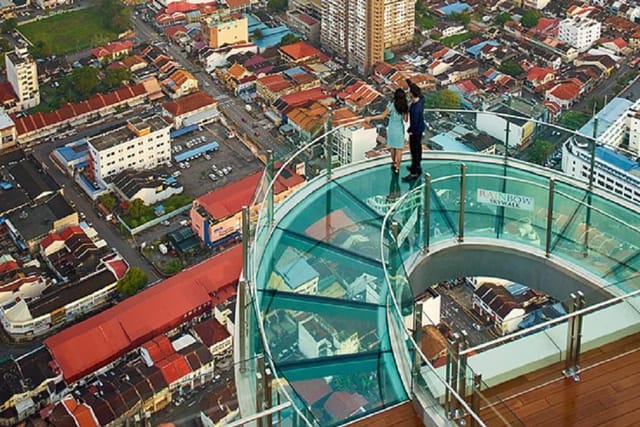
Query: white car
point(208, 157)
point(187, 164)
point(213, 177)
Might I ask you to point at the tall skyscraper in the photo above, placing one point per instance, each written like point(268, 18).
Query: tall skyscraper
point(359, 31)
point(22, 73)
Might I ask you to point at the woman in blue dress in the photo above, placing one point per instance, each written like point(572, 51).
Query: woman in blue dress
point(398, 113)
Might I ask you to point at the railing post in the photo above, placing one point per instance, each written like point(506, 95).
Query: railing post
point(507, 131)
point(549, 229)
point(475, 398)
point(578, 338)
point(271, 194)
point(328, 151)
point(246, 237)
point(574, 335)
point(260, 375)
point(242, 304)
point(394, 262)
point(463, 175)
point(455, 356)
point(268, 396)
point(462, 365)
point(426, 225)
point(417, 337)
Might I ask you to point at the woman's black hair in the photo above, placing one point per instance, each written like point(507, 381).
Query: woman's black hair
point(400, 101)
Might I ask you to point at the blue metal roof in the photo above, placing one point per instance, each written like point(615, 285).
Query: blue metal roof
point(454, 8)
point(182, 131)
point(272, 37)
point(615, 159)
point(476, 48)
point(74, 151)
point(297, 273)
point(609, 114)
point(449, 143)
point(185, 155)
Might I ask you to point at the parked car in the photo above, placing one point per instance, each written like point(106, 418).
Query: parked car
point(213, 177)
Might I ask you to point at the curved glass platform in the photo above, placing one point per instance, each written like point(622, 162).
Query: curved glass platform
point(328, 268)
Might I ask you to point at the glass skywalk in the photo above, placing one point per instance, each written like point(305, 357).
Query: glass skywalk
point(323, 260)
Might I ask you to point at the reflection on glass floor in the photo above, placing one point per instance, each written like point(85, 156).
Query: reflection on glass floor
point(321, 284)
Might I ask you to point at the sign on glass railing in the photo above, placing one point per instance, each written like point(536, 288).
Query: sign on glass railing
point(506, 200)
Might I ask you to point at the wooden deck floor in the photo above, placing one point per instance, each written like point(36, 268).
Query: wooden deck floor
point(402, 415)
point(608, 393)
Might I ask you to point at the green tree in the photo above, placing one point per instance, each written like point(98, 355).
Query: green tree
point(133, 281)
point(277, 5)
point(258, 34)
point(289, 39)
point(172, 266)
point(511, 68)
point(108, 201)
point(137, 208)
point(84, 81)
point(503, 18)
point(116, 16)
point(530, 18)
point(464, 18)
point(9, 25)
point(595, 103)
point(574, 119)
point(40, 49)
point(444, 98)
point(115, 77)
point(539, 151)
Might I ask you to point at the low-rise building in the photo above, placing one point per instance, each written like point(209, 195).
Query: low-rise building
point(146, 186)
point(230, 29)
point(30, 224)
point(306, 25)
point(180, 83)
point(520, 128)
point(64, 303)
point(216, 217)
point(112, 51)
point(143, 143)
point(193, 109)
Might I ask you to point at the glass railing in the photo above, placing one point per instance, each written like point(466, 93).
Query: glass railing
point(468, 200)
point(318, 282)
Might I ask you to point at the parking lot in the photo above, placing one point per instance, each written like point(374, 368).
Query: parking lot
point(232, 160)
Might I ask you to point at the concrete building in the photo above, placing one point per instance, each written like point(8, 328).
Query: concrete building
point(22, 73)
point(520, 129)
point(351, 143)
point(536, 4)
point(229, 30)
point(359, 31)
point(615, 170)
point(306, 25)
point(7, 131)
point(140, 144)
point(579, 32)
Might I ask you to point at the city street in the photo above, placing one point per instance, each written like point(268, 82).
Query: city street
point(107, 231)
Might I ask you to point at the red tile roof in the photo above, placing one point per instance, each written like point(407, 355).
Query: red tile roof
point(300, 50)
point(189, 103)
point(274, 82)
point(111, 49)
point(158, 348)
point(342, 404)
point(180, 6)
point(566, 91)
point(33, 122)
point(174, 367)
point(118, 266)
point(8, 266)
point(6, 93)
point(305, 97)
point(156, 310)
point(81, 413)
point(539, 73)
point(312, 390)
point(229, 200)
point(211, 331)
point(62, 236)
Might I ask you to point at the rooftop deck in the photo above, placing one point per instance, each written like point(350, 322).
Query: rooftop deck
point(608, 393)
point(401, 415)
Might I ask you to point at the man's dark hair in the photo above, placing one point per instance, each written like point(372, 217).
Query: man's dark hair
point(413, 88)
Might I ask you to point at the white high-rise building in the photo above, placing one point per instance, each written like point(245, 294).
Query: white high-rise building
point(579, 32)
point(360, 30)
point(22, 73)
point(615, 169)
point(143, 143)
point(352, 142)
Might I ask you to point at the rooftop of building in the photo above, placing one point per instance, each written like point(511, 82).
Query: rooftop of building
point(115, 331)
point(132, 130)
point(37, 221)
